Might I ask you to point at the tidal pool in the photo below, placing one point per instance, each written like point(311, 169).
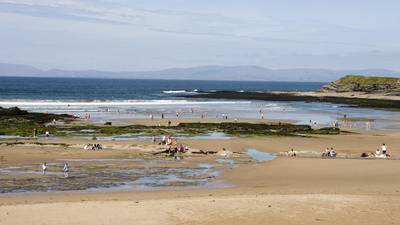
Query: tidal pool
point(108, 174)
point(142, 173)
point(260, 156)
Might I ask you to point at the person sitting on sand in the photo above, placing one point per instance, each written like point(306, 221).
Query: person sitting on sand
point(182, 148)
point(44, 168)
point(164, 140)
point(292, 153)
point(326, 153)
point(169, 140)
point(383, 149)
point(66, 170)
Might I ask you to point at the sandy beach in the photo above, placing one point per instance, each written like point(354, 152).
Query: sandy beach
point(287, 190)
point(199, 112)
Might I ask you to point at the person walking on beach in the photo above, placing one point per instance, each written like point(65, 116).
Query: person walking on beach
point(44, 168)
point(66, 170)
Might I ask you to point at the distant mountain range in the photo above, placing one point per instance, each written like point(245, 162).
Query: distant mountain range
point(240, 73)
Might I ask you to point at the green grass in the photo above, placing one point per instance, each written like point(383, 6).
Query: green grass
point(364, 80)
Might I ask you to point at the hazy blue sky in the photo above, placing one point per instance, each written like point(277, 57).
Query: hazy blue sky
point(154, 34)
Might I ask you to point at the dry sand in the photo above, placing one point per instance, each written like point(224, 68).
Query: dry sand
point(283, 191)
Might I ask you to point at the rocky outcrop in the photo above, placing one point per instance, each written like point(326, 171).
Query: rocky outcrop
point(351, 83)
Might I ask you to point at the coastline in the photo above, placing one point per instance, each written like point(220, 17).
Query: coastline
point(355, 99)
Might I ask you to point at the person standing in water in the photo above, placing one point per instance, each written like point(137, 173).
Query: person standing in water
point(66, 170)
point(44, 168)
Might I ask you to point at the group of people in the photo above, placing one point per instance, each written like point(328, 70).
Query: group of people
point(329, 153)
point(381, 152)
point(173, 148)
point(166, 140)
point(93, 147)
point(65, 169)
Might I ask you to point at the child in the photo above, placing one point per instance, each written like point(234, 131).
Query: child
point(66, 170)
point(44, 168)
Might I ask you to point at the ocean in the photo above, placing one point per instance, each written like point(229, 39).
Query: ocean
point(121, 89)
point(113, 99)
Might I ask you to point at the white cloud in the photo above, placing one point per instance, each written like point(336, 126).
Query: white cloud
point(183, 36)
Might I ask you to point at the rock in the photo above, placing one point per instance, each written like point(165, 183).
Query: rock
point(352, 83)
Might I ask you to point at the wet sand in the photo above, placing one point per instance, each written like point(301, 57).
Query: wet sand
point(288, 190)
point(176, 121)
point(351, 95)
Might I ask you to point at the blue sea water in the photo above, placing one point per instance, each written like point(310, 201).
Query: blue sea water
point(115, 99)
point(122, 89)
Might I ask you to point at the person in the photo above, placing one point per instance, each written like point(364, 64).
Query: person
point(326, 153)
point(383, 149)
point(182, 148)
point(336, 124)
point(162, 115)
point(169, 140)
point(169, 123)
point(44, 168)
point(377, 152)
point(66, 170)
point(47, 134)
point(292, 153)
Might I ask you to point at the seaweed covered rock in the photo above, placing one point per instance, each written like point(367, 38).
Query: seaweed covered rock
point(237, 129)
point(14, 121)
point(14, 111)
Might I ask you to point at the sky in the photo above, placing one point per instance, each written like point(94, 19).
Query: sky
point(132, 35)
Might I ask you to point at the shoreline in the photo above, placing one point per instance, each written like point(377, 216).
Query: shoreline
point(355, 99)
